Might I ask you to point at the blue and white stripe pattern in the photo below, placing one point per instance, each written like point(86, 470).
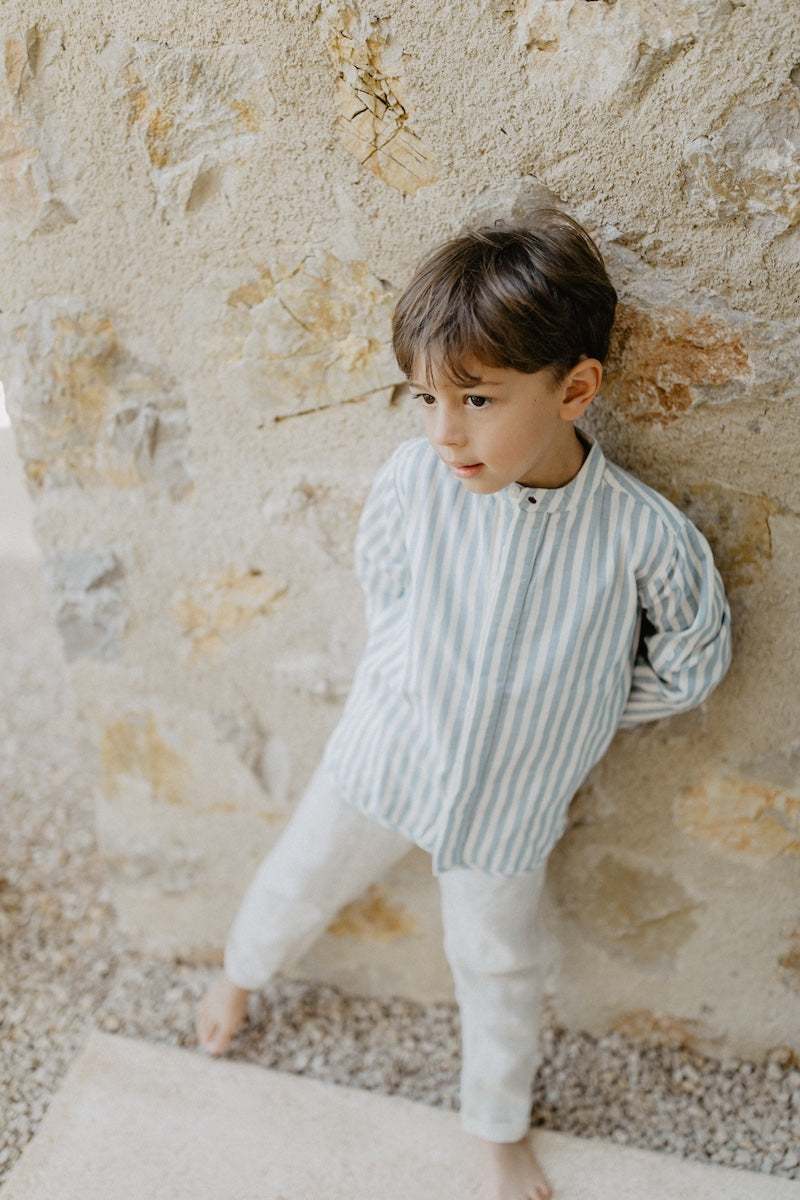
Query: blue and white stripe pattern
point(501, 656)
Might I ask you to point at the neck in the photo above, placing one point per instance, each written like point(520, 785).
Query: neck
point(570, 459)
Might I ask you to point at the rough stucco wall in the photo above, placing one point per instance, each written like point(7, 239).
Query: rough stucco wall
point(206, 213)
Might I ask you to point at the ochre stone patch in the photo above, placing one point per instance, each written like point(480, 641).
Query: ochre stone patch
point(656, 359)
point(132, 748)
point(247, 115)
point(747, 819)
point(372, 917)
point(156, 138)
point(307, 333)
point(645, 1026)
point(36, 179)
point(735, 523)
point(251, 294)
point(20, 202)
point(373, 114)
point(88, 412)
point(789, 963)
point(195, 111)
point(216, 609)
point(634, 912)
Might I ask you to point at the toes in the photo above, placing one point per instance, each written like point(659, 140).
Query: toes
point(207, 1032)
point(214, 1044)
point(214, 1041)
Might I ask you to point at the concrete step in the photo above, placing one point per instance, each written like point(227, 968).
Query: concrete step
point(135, 1121)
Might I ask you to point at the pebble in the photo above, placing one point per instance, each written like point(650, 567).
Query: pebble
point(67, 970)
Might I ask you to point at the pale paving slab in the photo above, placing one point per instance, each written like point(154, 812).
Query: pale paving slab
point(134, 1120)
point(16, 509)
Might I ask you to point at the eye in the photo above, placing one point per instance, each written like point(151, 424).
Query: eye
point(425, 399)
point(478, 401)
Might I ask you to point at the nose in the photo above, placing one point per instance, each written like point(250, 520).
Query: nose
point(447, 428)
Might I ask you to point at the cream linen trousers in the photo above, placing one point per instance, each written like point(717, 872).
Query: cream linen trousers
point(329, 853)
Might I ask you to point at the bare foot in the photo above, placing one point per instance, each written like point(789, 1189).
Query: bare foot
point(513, 1173)
point(219, 1015)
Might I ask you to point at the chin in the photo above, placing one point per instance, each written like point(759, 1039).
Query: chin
point(482, 487)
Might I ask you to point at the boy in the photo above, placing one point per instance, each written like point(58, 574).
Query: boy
point(525, 599)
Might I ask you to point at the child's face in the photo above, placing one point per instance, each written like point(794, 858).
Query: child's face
point(508, 427)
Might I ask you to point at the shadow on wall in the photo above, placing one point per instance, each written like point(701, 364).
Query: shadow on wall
point(16, 511)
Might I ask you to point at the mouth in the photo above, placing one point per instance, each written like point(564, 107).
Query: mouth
point(465, 470)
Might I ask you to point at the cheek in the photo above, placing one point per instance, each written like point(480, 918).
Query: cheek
point(514, 442)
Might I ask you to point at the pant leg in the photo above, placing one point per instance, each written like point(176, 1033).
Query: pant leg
point(327, 855)
point(497, 957)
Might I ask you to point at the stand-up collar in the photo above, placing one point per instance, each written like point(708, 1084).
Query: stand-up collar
point(572, 495)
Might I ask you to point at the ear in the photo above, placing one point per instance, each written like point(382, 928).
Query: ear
point(580, 388)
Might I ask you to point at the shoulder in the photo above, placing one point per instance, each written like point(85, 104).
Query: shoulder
point(411, 454)
point(641, 499)
point(660, 539)
point(404, 477)
point(412, 463)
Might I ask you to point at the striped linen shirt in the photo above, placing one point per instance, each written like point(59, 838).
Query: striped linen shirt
point(502, 650)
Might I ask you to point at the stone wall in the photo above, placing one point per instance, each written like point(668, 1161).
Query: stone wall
point(207, 212)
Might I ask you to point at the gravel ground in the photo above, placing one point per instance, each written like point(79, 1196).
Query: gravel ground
point(66, 969)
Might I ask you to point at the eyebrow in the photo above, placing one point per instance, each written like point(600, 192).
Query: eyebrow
point(467, 387)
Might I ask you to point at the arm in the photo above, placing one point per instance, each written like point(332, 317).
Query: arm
point(381, 561)
point(685, 648)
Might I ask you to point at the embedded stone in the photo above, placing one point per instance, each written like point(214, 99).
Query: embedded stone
point(245, 734)
point(370, 100)
point(212, 611)
point(514, 202)
point(88, 411)
point(306, 333)
point(177, 760)
point(266, 755)
point(37, 179)
point(673, 350)
point(86, 591)
point(181, 820)
point(663, 361)
point(195, 113)
point(657, 1029)
point(737, 525)
point(752, 816)
point(632, 911)
point(133, 747)
point(373, 917)
point(326, 514)
point(750, 165)
point(612, 51)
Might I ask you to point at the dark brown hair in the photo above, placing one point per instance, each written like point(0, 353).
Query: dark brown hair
point(505, 296)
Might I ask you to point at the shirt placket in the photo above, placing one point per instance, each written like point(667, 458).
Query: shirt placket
point(486, 709)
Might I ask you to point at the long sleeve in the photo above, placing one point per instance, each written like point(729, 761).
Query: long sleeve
point(686, 644)
point(380, 550)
